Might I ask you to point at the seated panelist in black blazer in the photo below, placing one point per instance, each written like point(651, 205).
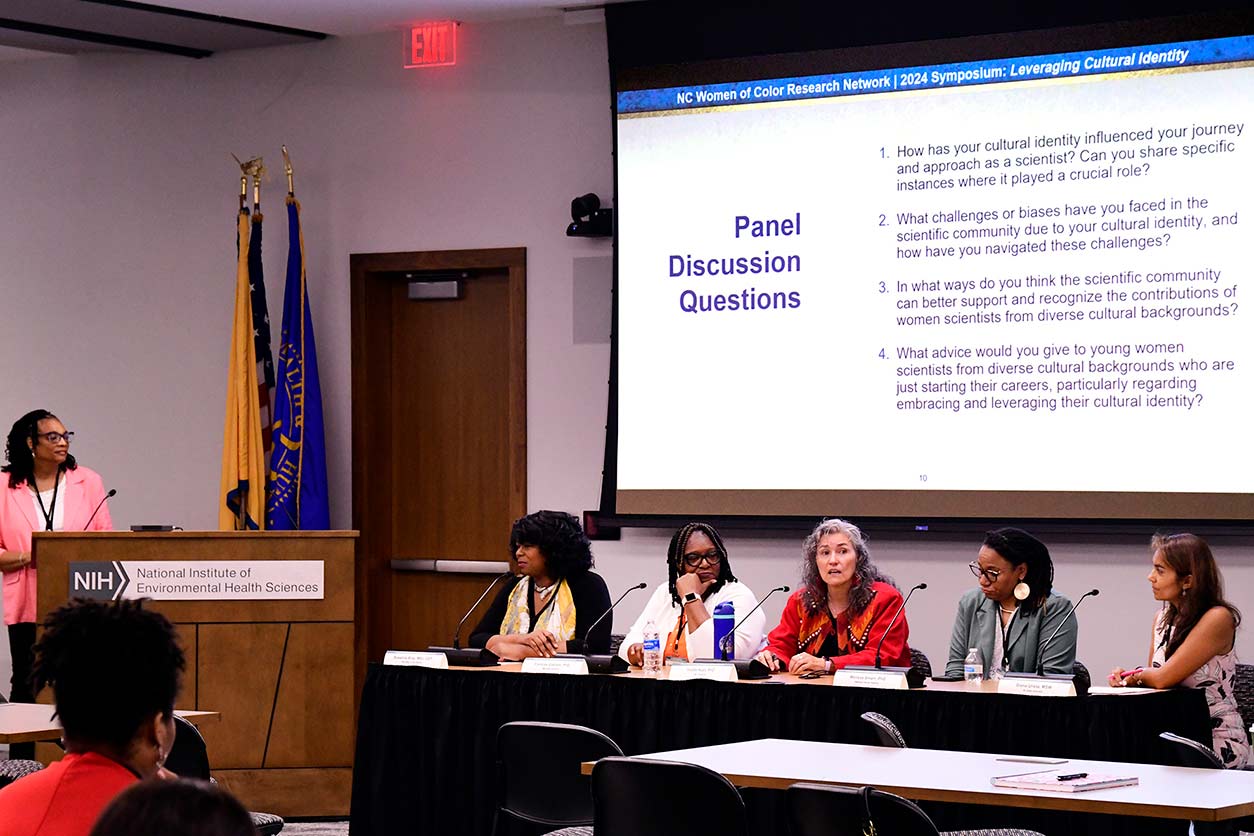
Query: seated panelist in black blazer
point(554, 597)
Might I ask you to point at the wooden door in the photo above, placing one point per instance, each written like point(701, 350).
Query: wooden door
point(439, 434)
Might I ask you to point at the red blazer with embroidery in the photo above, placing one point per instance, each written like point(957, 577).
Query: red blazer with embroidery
point(858, 634)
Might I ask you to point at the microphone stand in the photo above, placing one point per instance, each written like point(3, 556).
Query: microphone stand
point(1040, 651)
point(914, 677)
point(471, 657)
point(600, 662)
point(745, 668)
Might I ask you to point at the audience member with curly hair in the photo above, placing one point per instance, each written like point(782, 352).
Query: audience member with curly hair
point(554, 598)
point(114, 669)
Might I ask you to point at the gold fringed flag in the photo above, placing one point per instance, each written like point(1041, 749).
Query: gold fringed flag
point(243, 491)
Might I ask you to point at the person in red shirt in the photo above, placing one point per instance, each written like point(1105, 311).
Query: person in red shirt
point(840, 612)
point(114, 669)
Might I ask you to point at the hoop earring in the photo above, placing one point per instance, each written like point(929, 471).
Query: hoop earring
point(1022, 591)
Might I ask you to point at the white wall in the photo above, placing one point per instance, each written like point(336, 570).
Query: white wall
point(117, 270)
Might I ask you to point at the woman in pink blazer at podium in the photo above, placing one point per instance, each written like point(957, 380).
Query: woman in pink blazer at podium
point(46, 490)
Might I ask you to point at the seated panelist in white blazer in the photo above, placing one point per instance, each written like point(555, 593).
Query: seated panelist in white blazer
point(682, 609)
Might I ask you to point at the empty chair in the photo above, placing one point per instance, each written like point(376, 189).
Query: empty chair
point(885, 729)
point(1200, 756)
point(189, 758)
point(10, 771)
point(889, 735)
point(920, 662)
point(823, 810)
point(634, 796)
point(540, 780)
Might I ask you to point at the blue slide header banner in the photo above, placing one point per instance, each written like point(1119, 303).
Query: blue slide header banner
point(939, 76)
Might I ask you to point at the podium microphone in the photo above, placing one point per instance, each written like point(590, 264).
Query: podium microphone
point(473, 657)
point(879, 665)
point(601, 662)
point(1040, 651)
point(112, 493)
point(731, 637)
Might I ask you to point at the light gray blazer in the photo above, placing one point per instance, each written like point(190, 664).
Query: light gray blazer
point(977, 621)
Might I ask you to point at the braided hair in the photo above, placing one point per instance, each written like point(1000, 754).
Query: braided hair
point(112, 666)
point(675, 557)
point(18, 454)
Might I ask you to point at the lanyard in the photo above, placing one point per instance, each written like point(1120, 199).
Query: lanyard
point(51, 509)
point(1005, 639)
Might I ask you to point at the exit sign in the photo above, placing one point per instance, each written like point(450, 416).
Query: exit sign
point(431, 45)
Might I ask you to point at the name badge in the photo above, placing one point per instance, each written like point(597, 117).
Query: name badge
point(415, 659)
point(577, 666)
point(717, 671)
point(846, 678)
point(1034, 687)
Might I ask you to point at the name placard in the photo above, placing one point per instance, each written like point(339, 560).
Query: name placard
point(415, 659)
point(893, 680)
point(717, 671)
point(576, 666)
point(1034, 687)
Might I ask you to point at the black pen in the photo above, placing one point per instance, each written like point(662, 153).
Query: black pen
point(1073, 776)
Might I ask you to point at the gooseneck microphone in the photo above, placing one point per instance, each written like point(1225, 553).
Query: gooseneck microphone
point(878, 662)
point(731, 637)
point(1040, 651)
point(112, 493)
point(602, 616)
point(457, 635)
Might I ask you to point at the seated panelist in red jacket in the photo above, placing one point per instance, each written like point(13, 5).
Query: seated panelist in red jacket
point(839, 613)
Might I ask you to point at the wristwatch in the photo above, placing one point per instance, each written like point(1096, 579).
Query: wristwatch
point(690, 597)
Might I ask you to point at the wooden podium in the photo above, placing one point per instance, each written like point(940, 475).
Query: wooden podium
point(285, 674)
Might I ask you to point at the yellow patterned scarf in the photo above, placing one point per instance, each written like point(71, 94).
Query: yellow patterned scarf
point(558, 618)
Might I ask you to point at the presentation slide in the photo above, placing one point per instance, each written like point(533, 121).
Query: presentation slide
point(1006, 287)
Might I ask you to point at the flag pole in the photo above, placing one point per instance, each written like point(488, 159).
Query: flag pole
point(287, 167)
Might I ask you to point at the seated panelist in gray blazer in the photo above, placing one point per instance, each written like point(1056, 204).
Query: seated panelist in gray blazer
point(1013, 611)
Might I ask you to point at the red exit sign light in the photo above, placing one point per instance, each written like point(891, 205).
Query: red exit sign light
point(431, 45)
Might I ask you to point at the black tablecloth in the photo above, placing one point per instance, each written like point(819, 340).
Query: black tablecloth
point(426, 739)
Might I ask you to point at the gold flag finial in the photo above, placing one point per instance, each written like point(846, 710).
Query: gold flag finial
point(255, 169)
point(287, 166)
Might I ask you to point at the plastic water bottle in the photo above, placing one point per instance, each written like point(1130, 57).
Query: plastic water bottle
point(973, 668)
point(652, 649)
point(724, 622)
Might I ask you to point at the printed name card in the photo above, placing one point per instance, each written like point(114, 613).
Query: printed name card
point(894, 680)
point(1036, 687)
point(415, 659)
point(717, 671)
point(571, 666)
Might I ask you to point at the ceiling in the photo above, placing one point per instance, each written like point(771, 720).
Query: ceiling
point(198, 28)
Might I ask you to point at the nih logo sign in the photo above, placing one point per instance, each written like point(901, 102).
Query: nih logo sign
point(98, 581)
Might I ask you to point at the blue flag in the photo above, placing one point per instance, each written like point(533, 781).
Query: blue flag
point(298, 466)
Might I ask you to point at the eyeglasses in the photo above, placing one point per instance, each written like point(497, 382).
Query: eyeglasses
point(711, 558)
point(53, 438)
point(990, 575)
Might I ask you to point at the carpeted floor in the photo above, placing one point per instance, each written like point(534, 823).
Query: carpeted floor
point(315, 828)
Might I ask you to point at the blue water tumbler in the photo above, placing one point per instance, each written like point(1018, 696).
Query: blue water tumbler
point(724, 621)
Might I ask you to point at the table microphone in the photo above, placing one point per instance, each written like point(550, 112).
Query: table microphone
point(1040, 651)
point(878, 661)
point(580, 645)
point(457, 634)
point(731, 637)
point(112, 492)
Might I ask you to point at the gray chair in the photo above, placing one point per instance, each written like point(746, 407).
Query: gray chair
point(1200, 756)
point(539, 774)
point(189, 758)
point(10, 771)
point(889, 735)
point(1243, 690)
